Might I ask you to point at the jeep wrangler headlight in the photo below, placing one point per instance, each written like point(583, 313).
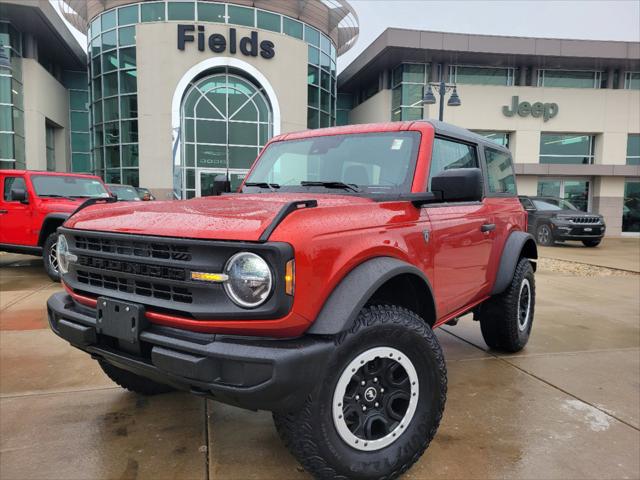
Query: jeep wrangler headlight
point(250, 280)
point(62, 254)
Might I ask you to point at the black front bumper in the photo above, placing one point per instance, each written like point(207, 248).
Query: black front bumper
point(577, 232)
point(248, 372)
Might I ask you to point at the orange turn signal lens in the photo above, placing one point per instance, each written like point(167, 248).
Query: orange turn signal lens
point(289, 277)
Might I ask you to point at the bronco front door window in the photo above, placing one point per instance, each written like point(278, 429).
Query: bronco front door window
point(381, 162)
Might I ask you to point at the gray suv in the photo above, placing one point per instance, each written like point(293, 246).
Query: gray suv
point(553, 219)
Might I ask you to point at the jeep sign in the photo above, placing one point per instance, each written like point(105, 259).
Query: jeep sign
point(524, 109)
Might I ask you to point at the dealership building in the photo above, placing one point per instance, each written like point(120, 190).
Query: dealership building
point(169, 94)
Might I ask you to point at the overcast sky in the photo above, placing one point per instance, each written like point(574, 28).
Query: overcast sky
point(590, 19)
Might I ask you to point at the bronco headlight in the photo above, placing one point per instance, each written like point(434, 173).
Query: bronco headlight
point(250, 280)
point(63, 254)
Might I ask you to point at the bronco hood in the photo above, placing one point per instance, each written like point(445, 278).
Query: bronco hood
point(229, 217)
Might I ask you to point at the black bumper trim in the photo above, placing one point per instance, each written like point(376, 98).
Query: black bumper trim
point(248, 372)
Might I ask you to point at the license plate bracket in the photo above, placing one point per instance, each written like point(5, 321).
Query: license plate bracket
point(121, 320)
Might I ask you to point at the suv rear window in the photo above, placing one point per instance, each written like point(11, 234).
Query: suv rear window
point(500, 171)
point(448, 155)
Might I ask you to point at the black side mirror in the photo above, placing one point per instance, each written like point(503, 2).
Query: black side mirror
point(458, 184)
point(221, 184)
point(19, 195)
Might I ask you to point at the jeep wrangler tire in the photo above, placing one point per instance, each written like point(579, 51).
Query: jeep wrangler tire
point(133, 382)
point(506, 319)
point(49, 257)
point(378, 405)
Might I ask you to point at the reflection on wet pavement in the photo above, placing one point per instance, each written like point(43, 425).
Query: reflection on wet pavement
point(568, 406)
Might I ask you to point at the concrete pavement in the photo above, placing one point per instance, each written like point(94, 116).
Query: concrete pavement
point(622, 253)
point(568, 406)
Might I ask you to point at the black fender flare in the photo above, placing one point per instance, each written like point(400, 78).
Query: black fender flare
point(55, 218)
point(518, 245)
point(352, 293)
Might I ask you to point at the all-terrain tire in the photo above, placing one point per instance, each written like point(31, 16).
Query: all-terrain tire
point(48, 257)
point(506, 319)
point(311, 434)
point(133, 382)
point(591, 243)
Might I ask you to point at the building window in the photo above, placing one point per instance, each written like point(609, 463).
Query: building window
point(501, 138)
point(50, 145)
point(226, 120)
point(570, 148)
point(500, 175)
point(571, 79)
point(77, 84)
point(11, 101)
point(633, 149)
point(631, 206)
point(447, 154)
point(113, 76)
point(344, 104)
point(632, 80)
point(408, 81)
point(574, 191)
point(476, 75)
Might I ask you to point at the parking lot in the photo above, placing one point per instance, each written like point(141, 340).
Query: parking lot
point(568, 406)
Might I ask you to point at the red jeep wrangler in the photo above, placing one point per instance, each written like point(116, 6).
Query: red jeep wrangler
point(314, 290)
point(34, 204)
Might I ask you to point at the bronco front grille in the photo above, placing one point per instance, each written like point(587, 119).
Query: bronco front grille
point(133, 268)
point(130, 248)
point(585, 220)
point(137, 287)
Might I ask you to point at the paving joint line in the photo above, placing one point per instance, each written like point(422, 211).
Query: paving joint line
point(10, 304)
point(207, 463)
point(502, 359)
point(55, 392)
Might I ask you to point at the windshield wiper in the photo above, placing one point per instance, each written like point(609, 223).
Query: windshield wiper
point(270, 186)
point(55, 195)
point(352, 187)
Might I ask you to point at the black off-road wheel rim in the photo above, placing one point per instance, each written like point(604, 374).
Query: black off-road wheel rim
point(524, 305)
point(375, 398)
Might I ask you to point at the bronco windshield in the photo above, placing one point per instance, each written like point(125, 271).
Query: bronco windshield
point(68, 186)
point(380, 162)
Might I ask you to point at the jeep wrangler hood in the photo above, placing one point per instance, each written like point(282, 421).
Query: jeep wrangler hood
point(228, 217)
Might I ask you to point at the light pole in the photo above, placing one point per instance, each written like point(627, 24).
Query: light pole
point(430, 99)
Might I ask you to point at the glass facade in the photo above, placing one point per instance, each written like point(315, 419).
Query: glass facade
point(501, 138)
point(226, 119)
point(79, 133)
point(408, 81)
point(632, 80)
point(571, 79)
point(11, 100)
point(113, 75)
point(631, 206)
point(475, 75)
point(344, 104)
point(575, 191)
point(571, 148)
point(633, 149)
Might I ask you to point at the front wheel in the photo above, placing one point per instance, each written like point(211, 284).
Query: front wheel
point(379, 404)
point(50, 257)
point(544, 236)
point(591, 243)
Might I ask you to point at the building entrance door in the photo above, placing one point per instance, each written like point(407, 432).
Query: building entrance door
point(206, 177)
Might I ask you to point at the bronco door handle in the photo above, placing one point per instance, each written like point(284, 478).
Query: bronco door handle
point(2, 212)
point(487, 227)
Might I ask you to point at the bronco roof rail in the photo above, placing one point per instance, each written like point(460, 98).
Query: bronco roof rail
point(93, 201)
point(282, 214)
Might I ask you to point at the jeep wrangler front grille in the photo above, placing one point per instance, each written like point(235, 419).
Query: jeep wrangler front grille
point(134, 248)
point(137, 287)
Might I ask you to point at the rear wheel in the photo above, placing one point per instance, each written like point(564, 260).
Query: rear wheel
point(506, 319)
point(544, 236)
point(379, 403)
point(133, 382)
point(591, 243)
point(50, 258)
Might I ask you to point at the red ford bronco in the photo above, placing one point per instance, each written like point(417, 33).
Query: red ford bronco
point(314, 290)
point(34, 204)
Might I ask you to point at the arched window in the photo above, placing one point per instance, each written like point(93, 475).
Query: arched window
point(226, 119)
